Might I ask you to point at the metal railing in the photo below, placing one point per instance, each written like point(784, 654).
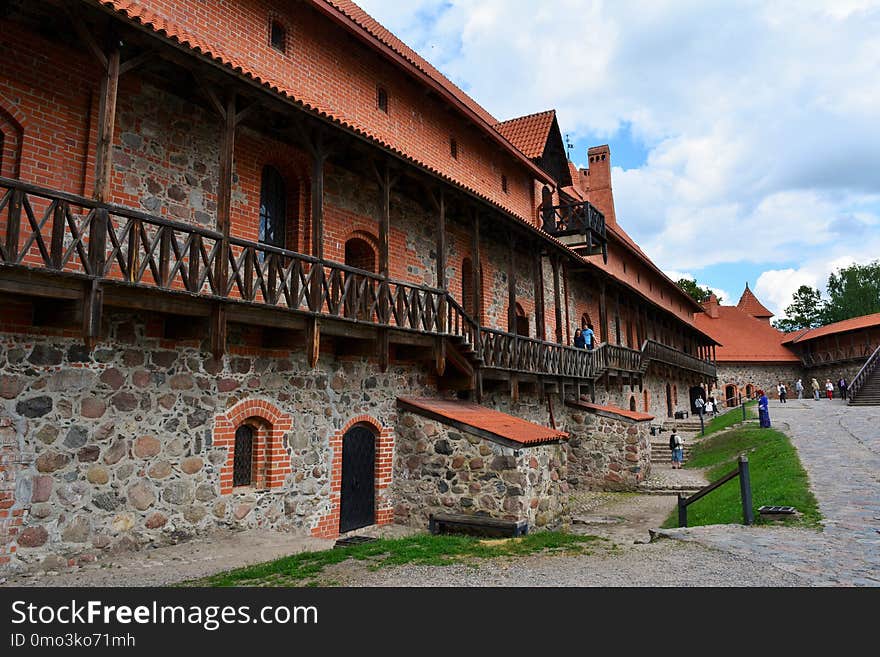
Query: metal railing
point(745, 491)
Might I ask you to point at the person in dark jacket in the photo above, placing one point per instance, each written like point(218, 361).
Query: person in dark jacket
point(579, 340)
point(676, 444)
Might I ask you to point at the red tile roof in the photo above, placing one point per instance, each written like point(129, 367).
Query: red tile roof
point(853, 324)
point(743, 338)
point(750, 305)
point(355, 19)
point(614, 410)
point(528, 133)
point(484, 420)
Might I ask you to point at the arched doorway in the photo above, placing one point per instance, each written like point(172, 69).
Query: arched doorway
point(632, 403)
point(522, 321)
point(358, 495)
point(273, 208)
point(668, 400)
point(749, 391)
point(647, 400)
point(360, 254)
point(730, 395)
point(695, 392)
point(468, 301)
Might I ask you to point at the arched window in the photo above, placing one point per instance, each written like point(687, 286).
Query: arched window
point(243, 460)
point(632, 403)
point(11, 138)
point(360, 254)
point(647, 401)
point(522, 321)
point(273, 207)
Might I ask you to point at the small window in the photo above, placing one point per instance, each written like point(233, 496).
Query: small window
point(453, 148)
point(278, 36)
point(382, 99)
point(243, 456)
point(504, 184)
point(624, 267)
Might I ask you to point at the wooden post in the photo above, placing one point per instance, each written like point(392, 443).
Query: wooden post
point(478, 303)
point(93, 295)
point(440, 344)
point(554, 262)
point(106, 123)
point(57, 249)
point(540, 326)
point(13, 226)
point(385, 185)
point(603, 312)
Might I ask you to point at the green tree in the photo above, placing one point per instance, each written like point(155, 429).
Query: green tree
point(699, 294)
point(852, 292)
point(806, 311)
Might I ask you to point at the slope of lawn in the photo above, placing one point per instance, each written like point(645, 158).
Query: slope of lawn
point(777, 477)
point(731, 417)
point(306, 568)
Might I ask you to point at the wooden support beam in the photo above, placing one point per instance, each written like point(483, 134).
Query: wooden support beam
point(540, 325)
point(440, 348)
point(106, 124)
point(440, 355)
point(217, 331)
point(313, 340)
point(383, 349)
point(557, 302)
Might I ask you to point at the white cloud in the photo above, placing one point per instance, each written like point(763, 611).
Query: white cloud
point(760, 120)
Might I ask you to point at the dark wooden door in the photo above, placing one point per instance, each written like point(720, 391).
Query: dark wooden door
point(358, 504)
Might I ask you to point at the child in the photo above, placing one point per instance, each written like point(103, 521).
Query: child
point(676, 444)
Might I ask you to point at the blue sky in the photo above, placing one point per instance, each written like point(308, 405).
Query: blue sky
point(745, 140)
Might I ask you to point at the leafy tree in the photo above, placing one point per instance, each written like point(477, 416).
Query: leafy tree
point(699, 294)
point(853, 291)
point(806, 311)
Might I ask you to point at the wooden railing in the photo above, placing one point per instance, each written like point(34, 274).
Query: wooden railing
point(837, 355)
point(654, 351)
point(864, 374)
point(42, 229)
point(572, 218)
point(63, 233)
point(515, 353)
point(618, 358)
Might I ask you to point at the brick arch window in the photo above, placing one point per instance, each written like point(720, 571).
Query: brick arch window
point(360, 252)
point(253, 434)
point(11, 137)
point(273, 207)
point(632, 402)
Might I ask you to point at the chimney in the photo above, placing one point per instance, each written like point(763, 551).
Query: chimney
point(710, 305)
point(597, 181)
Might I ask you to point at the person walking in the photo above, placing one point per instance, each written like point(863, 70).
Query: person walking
point(579, 341)
point(841, 385)
point(763, 410)
point(700, 405)
point(799, 387)
point(815, 385)
point(829, 389)
point(676, 445)
point(783, 393)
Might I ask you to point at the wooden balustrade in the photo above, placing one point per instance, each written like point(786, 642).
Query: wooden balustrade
point(837, 355)
point(654, 351)
point(42, 229)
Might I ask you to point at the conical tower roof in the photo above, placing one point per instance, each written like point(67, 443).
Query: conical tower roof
point(750, 305)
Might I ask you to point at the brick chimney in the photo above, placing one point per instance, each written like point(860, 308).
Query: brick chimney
point(710, 305)
point(597, 181)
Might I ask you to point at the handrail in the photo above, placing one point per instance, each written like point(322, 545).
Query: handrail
point(653, 350)
point(745, 490)
point(861, 378)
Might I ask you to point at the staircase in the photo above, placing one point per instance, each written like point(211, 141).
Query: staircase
point(865, 387)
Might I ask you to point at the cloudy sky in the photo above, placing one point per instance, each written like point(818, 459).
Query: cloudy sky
point(745, 136)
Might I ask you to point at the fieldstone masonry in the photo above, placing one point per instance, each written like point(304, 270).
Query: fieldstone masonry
point(442, 470)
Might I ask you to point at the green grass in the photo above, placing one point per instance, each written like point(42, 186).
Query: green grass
point(731, 418)
point(777, 477)
point(305, 569)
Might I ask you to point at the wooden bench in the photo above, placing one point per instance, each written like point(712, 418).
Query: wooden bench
point(474, 525)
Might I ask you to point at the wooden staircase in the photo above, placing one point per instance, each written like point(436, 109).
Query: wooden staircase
point(864, 390)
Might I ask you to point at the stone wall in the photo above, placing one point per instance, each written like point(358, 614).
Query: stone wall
point(833, 372)
point(759, 376)
point(607, 451)
point(116, 449)
point(439, 469)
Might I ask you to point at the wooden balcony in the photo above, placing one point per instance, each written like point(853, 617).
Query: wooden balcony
point(63, 246)
point(835, 355)
point(654, 351)
point(578, 225)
